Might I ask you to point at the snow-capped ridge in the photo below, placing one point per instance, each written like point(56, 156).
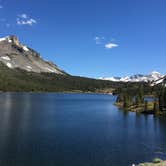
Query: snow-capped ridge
point(8, 39)
point(14, 40)
point(136, 78)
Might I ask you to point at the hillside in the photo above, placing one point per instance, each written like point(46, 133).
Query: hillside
point(21, 80)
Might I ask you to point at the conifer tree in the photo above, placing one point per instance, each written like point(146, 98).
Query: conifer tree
point(140, 96)
point(120, 98)
point(146, 106)
point(156, 106)
point(162, 99)
point(127, 100)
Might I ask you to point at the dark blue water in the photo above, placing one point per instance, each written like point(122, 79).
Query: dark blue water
point(75, 130)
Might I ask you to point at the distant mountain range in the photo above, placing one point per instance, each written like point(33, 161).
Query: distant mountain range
point(136, 78)
point(14, 54)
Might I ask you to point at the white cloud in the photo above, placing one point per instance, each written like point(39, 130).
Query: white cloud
point(26, 22)
point(111, 45)
point(23, 19)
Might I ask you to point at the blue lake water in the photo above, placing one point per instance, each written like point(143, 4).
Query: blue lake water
point(52, 129)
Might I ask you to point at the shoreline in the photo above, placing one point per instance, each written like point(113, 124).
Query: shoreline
point(64, 92)
point(140, 109)
point(155, 162)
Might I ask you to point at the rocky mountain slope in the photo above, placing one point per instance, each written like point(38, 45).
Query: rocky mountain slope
point(136, 78)
point(16, 55)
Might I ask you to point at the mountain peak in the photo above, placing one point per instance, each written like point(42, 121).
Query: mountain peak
point(155, 73)
point(14, 54)
point(11, 39)
point(14, 39)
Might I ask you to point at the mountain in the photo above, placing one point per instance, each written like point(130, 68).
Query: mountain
point(14, 54)
point(23, 69)
point(136, 78)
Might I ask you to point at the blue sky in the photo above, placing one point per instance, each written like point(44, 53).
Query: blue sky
point(91, 38)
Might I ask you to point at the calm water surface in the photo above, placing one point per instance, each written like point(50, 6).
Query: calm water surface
point(75, 130)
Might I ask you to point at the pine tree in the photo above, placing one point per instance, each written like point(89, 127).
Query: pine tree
point(162, 99)
point(146, 105)
point(139, 97)
point(127, 100)
point(156, 106)
point(120, 98)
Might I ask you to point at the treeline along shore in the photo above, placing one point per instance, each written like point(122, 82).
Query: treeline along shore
point(142, 98)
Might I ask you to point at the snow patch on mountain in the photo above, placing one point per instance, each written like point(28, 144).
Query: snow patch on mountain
point(25, 48)
point(6, 39)
point(9, 65)
point(5, 58)
point(29, 67)
point(136, 78)
point(2, 39)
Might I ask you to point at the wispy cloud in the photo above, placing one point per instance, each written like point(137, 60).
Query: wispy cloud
point(111, 45)
point(99, 40)
point(24, 19)
point(1, 6)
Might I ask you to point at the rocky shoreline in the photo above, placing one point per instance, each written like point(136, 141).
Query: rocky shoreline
point(155, 162)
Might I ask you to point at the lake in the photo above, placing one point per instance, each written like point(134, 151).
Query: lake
point(75, 130)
